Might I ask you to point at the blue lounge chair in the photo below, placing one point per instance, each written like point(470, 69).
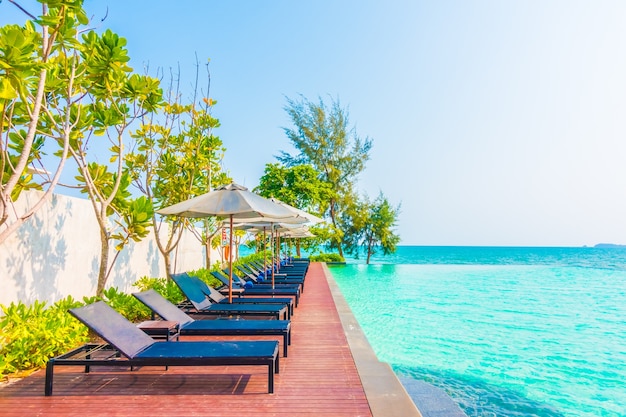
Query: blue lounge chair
point(263, 284)
point(250, 272)
point(284, 268)
point(204, 305)
point(190, 327)
point(253, 289)
point(139, 349)
point(219, 298)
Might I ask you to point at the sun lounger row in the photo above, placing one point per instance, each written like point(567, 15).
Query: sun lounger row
point(251, 289)
point(138, 349)
point(129, 346)
point(201, 300)
point(188, 326)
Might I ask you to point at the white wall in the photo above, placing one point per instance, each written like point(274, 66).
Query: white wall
point(56, 254)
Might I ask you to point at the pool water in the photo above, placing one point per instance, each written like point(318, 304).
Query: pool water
point(513, 339)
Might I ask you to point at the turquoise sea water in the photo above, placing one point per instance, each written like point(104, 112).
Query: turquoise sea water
point(505, 331)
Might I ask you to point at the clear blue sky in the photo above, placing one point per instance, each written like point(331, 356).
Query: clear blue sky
point(494, 122)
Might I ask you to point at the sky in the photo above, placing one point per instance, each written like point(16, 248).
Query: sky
point(493, 122)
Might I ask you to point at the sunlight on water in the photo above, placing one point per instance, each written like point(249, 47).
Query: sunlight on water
point(503, 340)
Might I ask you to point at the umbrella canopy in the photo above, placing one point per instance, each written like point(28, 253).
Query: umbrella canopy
point(268, 221)
point(311, 219)
point(231, 201)
point(298, 233)
point(257, 225)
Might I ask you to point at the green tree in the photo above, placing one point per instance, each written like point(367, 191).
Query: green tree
point(178, 157)
point(67, 95)
point(323, 138)
point(116, 99)
point(371, 227)
point(39, 74)
point(300, 186)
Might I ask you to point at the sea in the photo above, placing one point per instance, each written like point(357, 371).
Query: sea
point(505, 331)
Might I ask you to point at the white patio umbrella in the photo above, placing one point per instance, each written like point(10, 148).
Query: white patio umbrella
point(300, 233)
point(258, 225)
point(230, 201)
point(311, 219)
point(301, 217)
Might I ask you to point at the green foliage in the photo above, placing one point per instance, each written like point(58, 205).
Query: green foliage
point(18, 73)
point(136, 221)
point(323, 138)
point(41, 86)
point(106, 59)
point(89, 95)
point(205, 275)
point(116, 98)
point(327, 257)
point(17, 52)
point(127, 305)
point(370, 227)
point(177, 157)
point(253, 257)
point(300, 186)
point(30, 335)
point(13, 151)
point(166, 287)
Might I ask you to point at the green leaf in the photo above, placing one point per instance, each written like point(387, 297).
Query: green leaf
point(7, 91)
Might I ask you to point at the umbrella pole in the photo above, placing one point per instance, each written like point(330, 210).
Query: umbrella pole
point(277, 243)
point(230, 264)
point(272, 245)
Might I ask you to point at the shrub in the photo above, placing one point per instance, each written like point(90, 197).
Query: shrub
point(327, 257)
point(30, 335)
point(127, 305)
point(205, 275)
point(166, 287)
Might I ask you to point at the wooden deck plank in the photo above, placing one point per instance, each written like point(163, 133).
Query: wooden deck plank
point(318, 378)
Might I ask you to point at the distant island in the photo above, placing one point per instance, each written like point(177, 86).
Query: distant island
point(608, 246)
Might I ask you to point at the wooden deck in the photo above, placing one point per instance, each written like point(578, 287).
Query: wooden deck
point(318, 378)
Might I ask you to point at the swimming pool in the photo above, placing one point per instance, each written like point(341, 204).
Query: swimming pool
point(502, 340)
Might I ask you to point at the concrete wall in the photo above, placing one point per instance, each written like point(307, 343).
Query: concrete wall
point(56, 254)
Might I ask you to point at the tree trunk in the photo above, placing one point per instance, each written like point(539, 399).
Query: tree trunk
point(168, 264)
point(104, 261)
point(332, 218)
point(6, 201)
point(207, 253)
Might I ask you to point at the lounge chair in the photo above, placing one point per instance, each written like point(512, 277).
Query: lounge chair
point(204, 305)
point(219, 298)
point(286, 274)
point(139, 349)
point(264, 284)
point(258, 289)
point(284, 267)
point(251, 272)
point(278, 282)
point(190, 327)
